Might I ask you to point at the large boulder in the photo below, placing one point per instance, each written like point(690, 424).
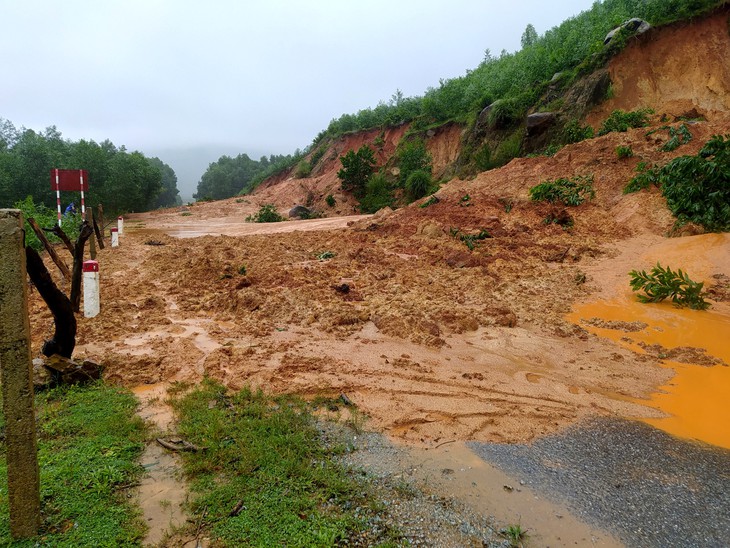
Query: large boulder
point(540, 122)
point(300, 211)
point(633, 25)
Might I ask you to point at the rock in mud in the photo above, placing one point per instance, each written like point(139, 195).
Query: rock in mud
point(300, 211)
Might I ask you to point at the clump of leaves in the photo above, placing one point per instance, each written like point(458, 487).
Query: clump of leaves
point(624, 152)
point(646, 176)
point(697, 188)
point(664, 283)
point(677, 137)
point(266, 214)
point(573, 132)
point(571, 192)
point(622, 121)
point(330, 200)
point(242, 270)
point(470, 240)
point(326, 255)
point(465, 201)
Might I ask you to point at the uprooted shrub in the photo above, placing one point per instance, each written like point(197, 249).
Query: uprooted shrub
point(663, 283)
point(571, 192)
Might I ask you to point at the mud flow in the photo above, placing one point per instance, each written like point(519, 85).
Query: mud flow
point(694, 345)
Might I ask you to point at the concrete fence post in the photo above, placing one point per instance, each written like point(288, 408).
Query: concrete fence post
point(91, 289)
point(120, 224)
point(115, 237)
point(16, 376)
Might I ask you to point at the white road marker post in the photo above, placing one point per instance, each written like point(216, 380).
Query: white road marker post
point(92, 306)
point(120, 224)
point(115, 237)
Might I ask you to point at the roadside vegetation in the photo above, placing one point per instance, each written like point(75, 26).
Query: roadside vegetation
point(89, 445)
point(46, 218)
point(569, 192)
point(121, 180)
point(265, 477)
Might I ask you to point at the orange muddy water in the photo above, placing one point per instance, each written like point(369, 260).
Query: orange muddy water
point(695, 344)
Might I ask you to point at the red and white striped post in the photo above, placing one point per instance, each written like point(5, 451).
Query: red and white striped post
point(81, 182)
point(91, 289)
point(115, 237)
point(58, 195)
point(120, 224)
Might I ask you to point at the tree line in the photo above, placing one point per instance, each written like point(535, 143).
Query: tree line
point(231, 176)
point(122, 181)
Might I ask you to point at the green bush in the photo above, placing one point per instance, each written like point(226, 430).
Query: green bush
point(411, 156)
point(46, 218)
point(624, 152)
point(266, 214)
point(645, 177)
point(377, 194)
point(664, 283)
point(357, 168)
point(573, 132)
point(571, 192)
point(418, 184)
point(622, 121)
point(304, 170)
point(330, 200)
point(697, 188)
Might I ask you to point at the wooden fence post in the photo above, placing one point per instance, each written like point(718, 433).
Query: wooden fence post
point(17, 380)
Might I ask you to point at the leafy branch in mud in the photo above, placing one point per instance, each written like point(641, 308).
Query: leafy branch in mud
point(571, 192)
point(266, 477)
point(663, 283)
point(470, 240)
point(697, 188)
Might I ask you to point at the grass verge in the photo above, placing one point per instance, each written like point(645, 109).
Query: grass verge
point(89, 445)
point(265, 477)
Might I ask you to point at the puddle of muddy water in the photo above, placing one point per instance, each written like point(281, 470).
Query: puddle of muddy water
point(162, 492)
point(695, 399)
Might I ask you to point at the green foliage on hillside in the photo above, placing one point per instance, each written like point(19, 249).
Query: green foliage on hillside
point(621, 121)
point(412, 156)
point(697, 188)
point(357, 167)
point(123, 181)
point(573, 46)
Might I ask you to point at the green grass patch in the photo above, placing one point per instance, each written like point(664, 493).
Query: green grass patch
point(265, 457)
point(90, 442)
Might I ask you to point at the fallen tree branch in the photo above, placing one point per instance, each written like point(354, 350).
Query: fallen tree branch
point(64, 337)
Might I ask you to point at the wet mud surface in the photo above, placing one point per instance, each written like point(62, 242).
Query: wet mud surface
point(647, 487)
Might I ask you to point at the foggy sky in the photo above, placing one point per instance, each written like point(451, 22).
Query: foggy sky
point(189, 81)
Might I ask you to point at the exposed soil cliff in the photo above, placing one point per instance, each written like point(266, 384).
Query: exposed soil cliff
point(681, 70)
